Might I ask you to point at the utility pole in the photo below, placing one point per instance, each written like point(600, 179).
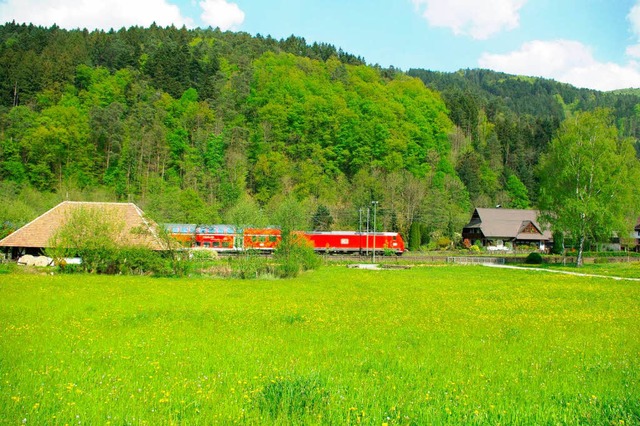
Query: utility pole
point(367, 232)
point(375, 205)
point(360, 230)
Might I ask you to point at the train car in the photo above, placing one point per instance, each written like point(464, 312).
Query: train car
point(356, 242)
point(184, 233)
point(218, 237)
point(261, 239)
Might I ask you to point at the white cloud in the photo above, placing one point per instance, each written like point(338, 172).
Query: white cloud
point(92, 14)
point(566, 61)
point(633, 51)
point(479, 19)
point(220, 13)
point(634, 19)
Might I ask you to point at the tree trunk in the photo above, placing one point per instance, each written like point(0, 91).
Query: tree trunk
point(580, 250)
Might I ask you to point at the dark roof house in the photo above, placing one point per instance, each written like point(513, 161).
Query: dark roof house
point(36, 235)
point(492, 226)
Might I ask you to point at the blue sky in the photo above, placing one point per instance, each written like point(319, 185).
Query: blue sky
point(588, 43)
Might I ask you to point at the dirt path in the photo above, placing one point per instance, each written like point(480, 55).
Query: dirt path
point(493, 265)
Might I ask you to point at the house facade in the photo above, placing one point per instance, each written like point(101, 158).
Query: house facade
point(495, 227)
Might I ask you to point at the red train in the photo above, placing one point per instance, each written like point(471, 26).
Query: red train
point(356, 242)
point(228, 238)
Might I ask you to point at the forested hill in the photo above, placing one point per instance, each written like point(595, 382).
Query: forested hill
point(510, 119)
point(204, 126)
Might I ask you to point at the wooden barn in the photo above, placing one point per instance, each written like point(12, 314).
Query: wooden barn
point(494, 227)
point(36, 235)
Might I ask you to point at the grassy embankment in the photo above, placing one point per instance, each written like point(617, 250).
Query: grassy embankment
point(434, 345)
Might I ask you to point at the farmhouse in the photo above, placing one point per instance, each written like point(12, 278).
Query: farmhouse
point(36, 235)
point(494, 227)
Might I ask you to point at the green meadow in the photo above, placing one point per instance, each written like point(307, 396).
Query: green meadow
point(428, 345)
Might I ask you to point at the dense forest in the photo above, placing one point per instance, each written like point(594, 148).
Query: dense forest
point(205, 126)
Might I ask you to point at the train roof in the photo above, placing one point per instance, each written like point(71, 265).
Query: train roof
point(384, 234)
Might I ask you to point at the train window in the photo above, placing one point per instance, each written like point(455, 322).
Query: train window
point(226, 244)
point(273, 239)
point(175, 230)
point(216, 243)
point(207, 245)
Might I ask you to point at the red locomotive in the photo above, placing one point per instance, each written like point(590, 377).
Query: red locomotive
point(356, 242)
point(228, 238)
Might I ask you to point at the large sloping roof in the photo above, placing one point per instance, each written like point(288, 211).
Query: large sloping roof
point(509, 223)
point(39, 231)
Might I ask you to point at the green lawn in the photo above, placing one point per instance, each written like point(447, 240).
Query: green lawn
point(432, 345)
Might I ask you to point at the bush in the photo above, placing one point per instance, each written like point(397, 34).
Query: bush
point(443, 243)
point(4, 268)
point(534, 258)
point(250, 265)
point(137, 260)
point(294, 255)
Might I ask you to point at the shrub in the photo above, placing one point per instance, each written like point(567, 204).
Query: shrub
point(137, 260)
point(294, 255)
point(250, 265)
point(443, 243)
point(4, 268)
point(534, 258)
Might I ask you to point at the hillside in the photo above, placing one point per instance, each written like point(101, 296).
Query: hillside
point(509, 120)
point(206, 126)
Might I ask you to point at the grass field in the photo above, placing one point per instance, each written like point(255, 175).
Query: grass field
point(432, 345)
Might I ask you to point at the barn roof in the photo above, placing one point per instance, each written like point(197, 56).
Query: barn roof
point(509, 223)
point(39, 231)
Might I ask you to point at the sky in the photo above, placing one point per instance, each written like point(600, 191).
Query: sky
point(587, 43)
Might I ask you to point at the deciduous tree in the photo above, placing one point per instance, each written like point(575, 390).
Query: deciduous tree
point(589, 180)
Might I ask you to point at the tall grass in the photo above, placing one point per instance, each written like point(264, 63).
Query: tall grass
point(435, 345)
